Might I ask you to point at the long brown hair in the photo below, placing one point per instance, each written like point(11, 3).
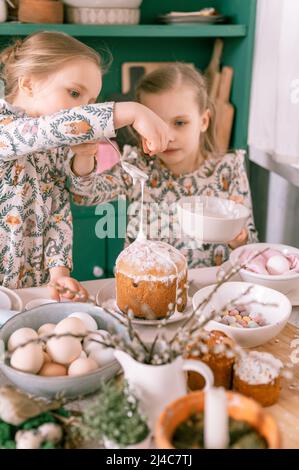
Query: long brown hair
point(169, 76)
point(41, 54)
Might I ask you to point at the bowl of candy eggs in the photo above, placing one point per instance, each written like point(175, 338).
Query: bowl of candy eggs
point(66, 355)
point(250, 314)
point(277, 266)
point(211, 219)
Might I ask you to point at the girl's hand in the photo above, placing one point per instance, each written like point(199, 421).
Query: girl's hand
point(84, 159)
point(60, 279)
point(153, 130)
point(240, 240)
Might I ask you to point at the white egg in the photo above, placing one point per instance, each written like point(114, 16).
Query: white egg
point(102, 356)
point(74, 326)
point(21, 336)
point(82, 366)
point(30, 358)
point(99, 335)
point(277, 265)
point(64, 350)
point(46, 329)
point(87, 319)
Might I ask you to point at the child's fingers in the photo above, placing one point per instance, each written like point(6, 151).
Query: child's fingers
point(82, 294)
point(54, 293)
point(145, 146)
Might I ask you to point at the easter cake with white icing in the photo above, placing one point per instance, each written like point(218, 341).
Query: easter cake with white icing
point(151, 280)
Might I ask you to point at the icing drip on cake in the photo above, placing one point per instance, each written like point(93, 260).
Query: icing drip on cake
point(152, 260)
point(258, 368)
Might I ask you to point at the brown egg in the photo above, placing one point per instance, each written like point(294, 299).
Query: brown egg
point(52, 369)
point(46, 357)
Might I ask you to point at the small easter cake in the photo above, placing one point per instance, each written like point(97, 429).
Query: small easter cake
point(257, 375)
point(151, 280)
point(217, 352)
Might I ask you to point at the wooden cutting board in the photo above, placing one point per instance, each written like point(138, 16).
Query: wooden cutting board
point(225, 111)
point(144, 67)
point(286, 411)
point(212, 72)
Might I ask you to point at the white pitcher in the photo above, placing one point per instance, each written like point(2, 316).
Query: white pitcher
point(3, 11)
point(156, 386)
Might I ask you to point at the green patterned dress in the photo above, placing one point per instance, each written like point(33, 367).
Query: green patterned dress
point(35, 215)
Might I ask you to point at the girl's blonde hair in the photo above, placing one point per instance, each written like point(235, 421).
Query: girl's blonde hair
point(177, 74)
point(41, 54)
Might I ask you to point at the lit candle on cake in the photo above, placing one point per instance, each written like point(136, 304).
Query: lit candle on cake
point(216, 434)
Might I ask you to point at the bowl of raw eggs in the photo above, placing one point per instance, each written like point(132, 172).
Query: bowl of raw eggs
point(65, 357)
point(277, 266)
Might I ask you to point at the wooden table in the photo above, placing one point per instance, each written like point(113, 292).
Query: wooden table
point(286, 411)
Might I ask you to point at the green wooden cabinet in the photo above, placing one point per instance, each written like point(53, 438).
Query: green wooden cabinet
point(152, 42)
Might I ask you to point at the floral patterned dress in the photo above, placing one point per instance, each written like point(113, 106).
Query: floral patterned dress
point(35, 215)
point(224, 178)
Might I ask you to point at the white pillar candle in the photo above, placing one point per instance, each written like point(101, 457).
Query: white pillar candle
point(216, 432)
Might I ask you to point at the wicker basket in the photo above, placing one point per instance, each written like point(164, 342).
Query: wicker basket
point(40, 11)
point(105, 16)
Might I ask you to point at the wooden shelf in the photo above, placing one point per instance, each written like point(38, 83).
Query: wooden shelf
point(144, 31)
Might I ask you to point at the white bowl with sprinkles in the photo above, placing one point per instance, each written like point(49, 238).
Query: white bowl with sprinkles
point(250, 314)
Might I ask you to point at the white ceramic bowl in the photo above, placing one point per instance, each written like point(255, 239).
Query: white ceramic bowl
point(51, 387)
point(275, 316)
point(103, 3)
point(102, 16)
point(284, 283)
point(211, 219)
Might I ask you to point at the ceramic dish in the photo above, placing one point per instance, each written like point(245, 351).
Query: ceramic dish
point(66, 386)
point(211, 219)
point(276, 316)
point(284, 283)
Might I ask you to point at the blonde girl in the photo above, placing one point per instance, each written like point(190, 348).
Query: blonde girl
point(190, 165)
point(51, 84)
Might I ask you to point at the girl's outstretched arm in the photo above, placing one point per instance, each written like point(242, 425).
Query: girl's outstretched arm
point(24, 135)
point(97, 188)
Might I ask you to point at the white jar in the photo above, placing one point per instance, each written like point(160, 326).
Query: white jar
point(3, 11)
